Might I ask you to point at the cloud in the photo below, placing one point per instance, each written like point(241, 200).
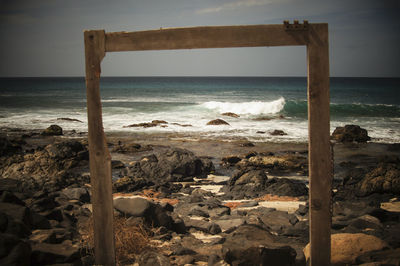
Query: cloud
point(235, 5)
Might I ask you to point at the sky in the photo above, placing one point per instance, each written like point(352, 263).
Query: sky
point(45, 37)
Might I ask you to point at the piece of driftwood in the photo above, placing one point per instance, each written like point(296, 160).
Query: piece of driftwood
point(314, 36)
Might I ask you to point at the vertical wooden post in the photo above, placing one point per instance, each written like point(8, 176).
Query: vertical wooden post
point(99, 156)
point(320, 167)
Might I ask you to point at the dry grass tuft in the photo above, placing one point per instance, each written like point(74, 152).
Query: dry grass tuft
point(130, 240)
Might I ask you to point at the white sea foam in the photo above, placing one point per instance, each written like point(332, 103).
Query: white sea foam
point(253, 107)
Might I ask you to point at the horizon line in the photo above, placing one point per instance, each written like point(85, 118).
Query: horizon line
point(196, 76)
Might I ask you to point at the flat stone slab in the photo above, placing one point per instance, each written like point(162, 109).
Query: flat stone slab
point(391, 206)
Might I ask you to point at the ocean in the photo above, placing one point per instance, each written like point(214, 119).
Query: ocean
point(264, 104)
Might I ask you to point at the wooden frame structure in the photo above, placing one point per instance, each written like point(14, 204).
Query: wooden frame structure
point(314, 36)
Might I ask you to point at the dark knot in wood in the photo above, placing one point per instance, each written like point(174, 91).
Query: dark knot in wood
point(316, 204)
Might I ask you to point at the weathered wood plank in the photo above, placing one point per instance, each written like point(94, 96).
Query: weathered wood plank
point(320, 166)
point(205, 37)
point(99, 156)
point(315, 36)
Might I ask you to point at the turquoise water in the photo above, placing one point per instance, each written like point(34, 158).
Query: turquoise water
point(372, 103)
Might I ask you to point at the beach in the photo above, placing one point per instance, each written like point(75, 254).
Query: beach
point(203, 196)
point(205, 170)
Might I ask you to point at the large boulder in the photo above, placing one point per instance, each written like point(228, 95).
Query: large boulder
point(217, 122)
point(14, 251)
point(53, 130)
point(276, 164)
point(137, 207)
point(345, 248)
point(198, 206)
point(286, 187)
point(246, 184)
point(170, 165)
point(385, 178)
point(254, 183)
point(278, 221)
point(251, 245)
point(350, 133)
point(51, 166)
point(153, 213)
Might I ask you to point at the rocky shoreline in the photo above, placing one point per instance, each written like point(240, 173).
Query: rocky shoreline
point(200, 202)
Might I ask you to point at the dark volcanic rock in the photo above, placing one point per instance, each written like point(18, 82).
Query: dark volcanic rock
point(277, 132)
point(153, 123)
point(8, 147)
point(350, 133)
point(128, 184)
point(151, 258)
point(251, 245)
point(145, 125)
point(206, 208)
point(383, 179)
point(9, 225)
point(302, 210)
point(231, 114)
point(9, 184)
point(159, 122)
point(217, 122)
point(282, 163)
point(254, 183)
point(53, 130)
point(69, 119)
point(9, 197)
point(381, 257)
point(247, 144)
point(214, 229)
point(116, 164)
point(170, 165)
point(79, 193)
point(130, 147)
point(20, 214)
point(51, 167)
point(153, 213)
point(286, 187)
point(14, 251)
point(278, 221)
point(248, 184)
point(44, 253)
point(230, 160)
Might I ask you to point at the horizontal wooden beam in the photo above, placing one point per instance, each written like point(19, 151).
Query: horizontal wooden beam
point(205, 37)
